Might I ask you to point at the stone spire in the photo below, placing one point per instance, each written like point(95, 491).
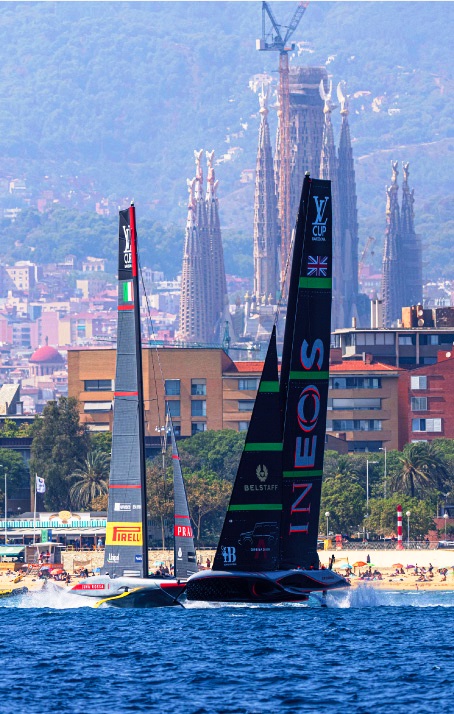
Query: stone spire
point(266, 228)
point(348, 213)
point(411, 253)
point(220, 311)
point(193, 278)
point(391, 281)
point(329, 170)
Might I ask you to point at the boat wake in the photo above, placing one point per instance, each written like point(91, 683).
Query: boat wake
point(371, 597)
point(52, 596)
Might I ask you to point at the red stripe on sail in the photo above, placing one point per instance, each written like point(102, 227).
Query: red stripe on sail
point(132, 224)
point(124, 485)
point(126, 307)
point(126, 394)
point(178, 516)
point(174, 456)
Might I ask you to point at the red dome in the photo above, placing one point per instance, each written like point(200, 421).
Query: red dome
point(47, 354)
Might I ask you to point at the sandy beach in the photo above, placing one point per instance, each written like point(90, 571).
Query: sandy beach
point(382, 560)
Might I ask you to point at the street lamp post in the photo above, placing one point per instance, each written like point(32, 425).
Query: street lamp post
point(327, 514)
point(408, 514)
point(367, 483)
point(446, 516)
point(6, 512)
point(383, 448)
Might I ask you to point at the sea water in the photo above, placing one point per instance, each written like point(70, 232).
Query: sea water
point(368, 651)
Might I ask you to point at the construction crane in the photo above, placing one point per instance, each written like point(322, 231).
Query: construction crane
point(370, 242)
point(276, 39)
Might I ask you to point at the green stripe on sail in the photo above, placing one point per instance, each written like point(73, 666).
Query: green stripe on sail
point(324, 283)
point(309, 376)
point(263, 447)
point(269, 387)
point(257, 507)
point(301, 474)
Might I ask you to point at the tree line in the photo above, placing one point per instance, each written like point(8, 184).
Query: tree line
point(75, 466)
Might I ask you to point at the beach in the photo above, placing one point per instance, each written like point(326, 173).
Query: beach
point(383, 561)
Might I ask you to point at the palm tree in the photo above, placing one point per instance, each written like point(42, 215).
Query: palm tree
point(90, 480)
point(423, 469)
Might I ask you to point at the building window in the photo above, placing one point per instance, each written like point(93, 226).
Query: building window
point(248, 384)
point(172, 387)
point(173, 407)
point(354, 404)
point(364, 446)
point(355, 383)
point(245, 405)
point(354, 425)
point(198, 387)
point(243, 425)
point(98, 385)
point(197, 426)
point(419, 404)
point(407, 340)
point(199, 407)
point(97, 406)
point(432, 425)
point(418, 382)
point(177, 429)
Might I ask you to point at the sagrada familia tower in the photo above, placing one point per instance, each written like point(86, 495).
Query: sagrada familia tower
point(204, 307)
point(402, 257)
point(313, 149)
point(203, 301)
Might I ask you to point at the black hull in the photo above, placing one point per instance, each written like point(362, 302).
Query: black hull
point(279, 587)
point(145, 599)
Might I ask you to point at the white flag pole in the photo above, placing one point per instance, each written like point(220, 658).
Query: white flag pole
point(34, 513)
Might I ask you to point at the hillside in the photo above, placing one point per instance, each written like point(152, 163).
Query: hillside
point(119, 94)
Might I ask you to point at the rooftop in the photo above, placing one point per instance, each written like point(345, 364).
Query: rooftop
point(361, 366)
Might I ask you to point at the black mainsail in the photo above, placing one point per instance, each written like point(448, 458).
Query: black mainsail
point(268, 546)
point(304, 376)
point(184, 550)
point(250, 536)
point(126, 552)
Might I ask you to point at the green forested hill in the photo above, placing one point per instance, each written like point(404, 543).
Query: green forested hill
point(119, 94)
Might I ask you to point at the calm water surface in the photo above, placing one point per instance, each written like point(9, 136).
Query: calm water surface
point(368, 652)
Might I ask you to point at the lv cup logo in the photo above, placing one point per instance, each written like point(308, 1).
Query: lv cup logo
point(319, 225)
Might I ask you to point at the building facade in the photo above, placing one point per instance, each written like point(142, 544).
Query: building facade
point(426, 404)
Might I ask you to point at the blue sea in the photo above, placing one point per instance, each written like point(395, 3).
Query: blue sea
point(368, 652)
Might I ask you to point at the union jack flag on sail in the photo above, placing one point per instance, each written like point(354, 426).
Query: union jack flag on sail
point(317, 265)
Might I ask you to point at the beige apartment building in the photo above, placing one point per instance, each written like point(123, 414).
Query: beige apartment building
point(188, 381)
point(204, 389)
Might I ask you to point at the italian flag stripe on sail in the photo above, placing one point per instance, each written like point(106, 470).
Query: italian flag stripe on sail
point(127, 291)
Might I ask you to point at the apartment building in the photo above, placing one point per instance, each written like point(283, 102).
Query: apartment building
point(186, 381)
point(363, 403)
point(402, 347)
point(426, 401)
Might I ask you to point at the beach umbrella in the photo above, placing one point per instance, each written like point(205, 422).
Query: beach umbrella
point(409, 566)
point(56, 571)
point(398, 565)
point(45, 567)
point(350, 567)
point(158, 562)
point(97, 570)
point(359, 564)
